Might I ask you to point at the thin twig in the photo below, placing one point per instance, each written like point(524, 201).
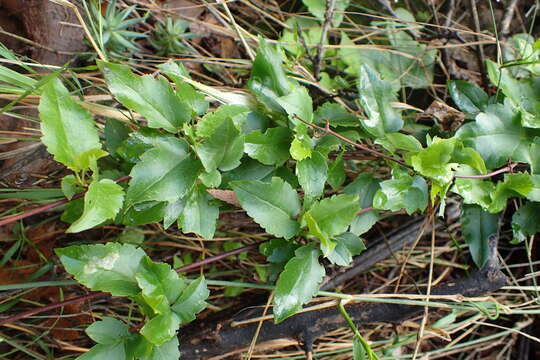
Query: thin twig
point(505, 169)
point(507, 19)
point(350, 142)
point(328, 15)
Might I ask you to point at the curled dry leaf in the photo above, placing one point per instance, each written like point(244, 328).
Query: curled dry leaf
point(225, 195)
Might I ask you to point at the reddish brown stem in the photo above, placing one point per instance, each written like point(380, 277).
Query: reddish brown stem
point(13, 218)
point(215, 258)
point(505, 169)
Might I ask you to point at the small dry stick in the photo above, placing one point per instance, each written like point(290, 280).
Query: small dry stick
point(328, 15)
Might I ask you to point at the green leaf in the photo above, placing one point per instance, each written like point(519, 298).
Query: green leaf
point(70, 186)
point(102, 201)
point(223, 149)
point(399, 141)
point(69, 132)
point(298, 282)
point(161, 328)
point(145, 213)
point(514, 185)
point(107, 267)
point(347, 246)
point(199, 215)
point(473, 191)
point(497, 135)
point(115, 134)
point(274, 206)
point(365, 186)
point(336, 114)
point(212, 121)
point(167, 351)
point(152, 98)
point(477, 225)
point(330, 217)
point(270, 148)
point(109, 351)
point(165, 173)
point(312, 174)
point(405, 192)
point(525, 221)
point(160, 284)
point(376, 96)
point(268, 80)
point(468, 97)
point(336, 173)
point(298, 150)
point(192, 301)
point(299, 103)
point(107, 331)
point(318, 8)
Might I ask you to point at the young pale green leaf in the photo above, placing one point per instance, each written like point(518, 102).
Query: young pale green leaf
point(107, 331)
point(312, 174)
point(274, 205)
point(299, 150)
point(298, 282)
point(434, 161)
point(376, 96)
point(199, 215)
point(514, 185)
point(347, 246)
point(477, 225)
point(161, 328)
point(160, 284)
point(165, 173)
point(223, 149)
point(69, 132)
point(192, 301)
point(405, 192)
point(70, 186)
point(497, 135)
point(525, 221)
point(102, 201)
point(468, 97)
point(330, 217)
point(152, 98)
point(107, 267)
point(270, 148)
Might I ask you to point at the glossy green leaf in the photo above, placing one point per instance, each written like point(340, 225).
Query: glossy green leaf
point(170, 350)
point(477, 225)
point(497, 135)
point(473, 191)
point(336, 173)
point(210, 122)
point(525, 221)
point(160, 284)
point(330, 217)
point(161, 328)
point(107, 331)
point(405, 192)
point(192, 301)
point(223, 149)
point(152, 98)
point(102, 351)
point(270, 147)
point(399, 141)
point(467, 96)
point(274, 206)
point(365, 186)
point(165, 173)
point(335, 114)
point(299, 103)
point(69, 132)
point(102, 201)
point(434, 161)
point(312, 174)
point(298, 282)
point(107, 267)
point(199, 214)
point(376, 96)
point(514, 185)
point(347, 246)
